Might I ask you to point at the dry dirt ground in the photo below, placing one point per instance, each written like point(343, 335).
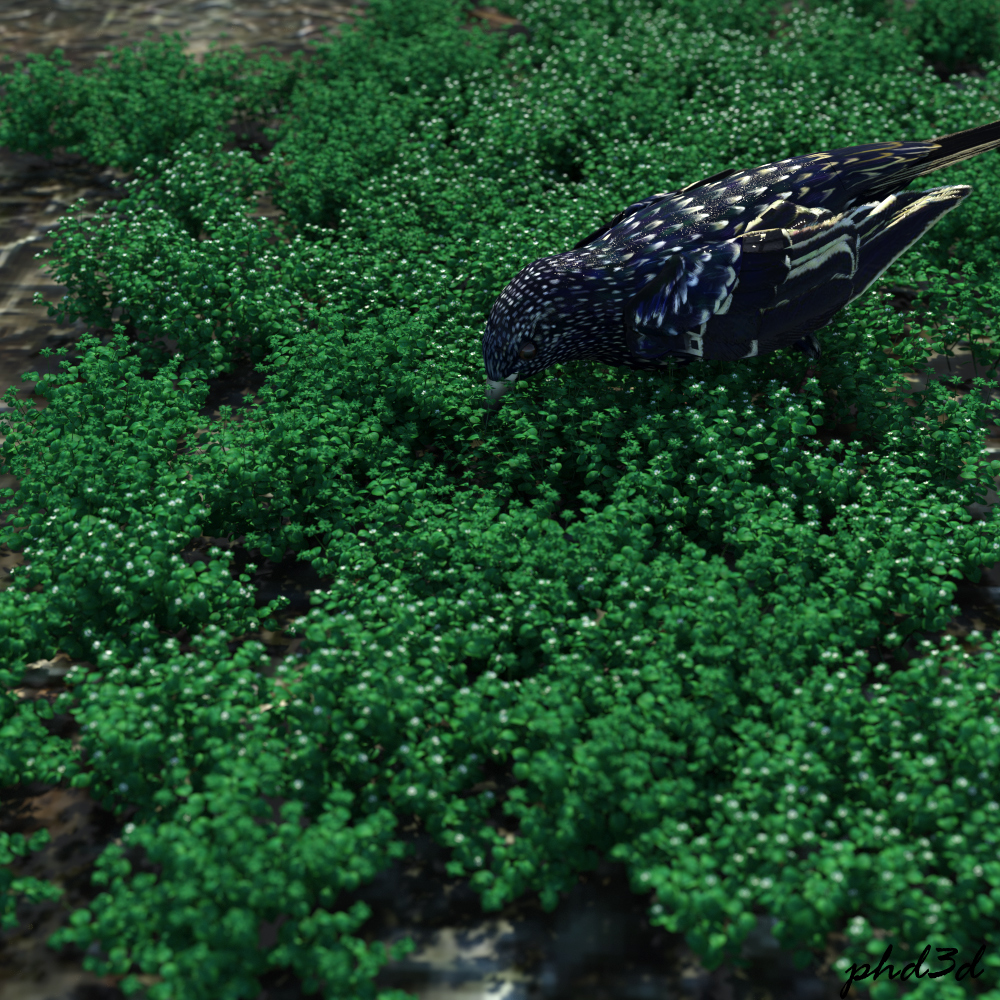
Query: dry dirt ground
point(596, 945)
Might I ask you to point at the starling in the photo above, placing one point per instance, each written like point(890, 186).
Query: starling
point(737, 265)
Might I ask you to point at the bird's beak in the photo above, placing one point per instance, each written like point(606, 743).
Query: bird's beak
point(494, 390)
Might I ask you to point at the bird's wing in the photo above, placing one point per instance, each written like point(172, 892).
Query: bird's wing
point(819, 280)
point(689, 289)
point(832, 263)
point(895, 224)
point(750, 295)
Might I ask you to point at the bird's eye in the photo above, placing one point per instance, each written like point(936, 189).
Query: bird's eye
point(528, 350)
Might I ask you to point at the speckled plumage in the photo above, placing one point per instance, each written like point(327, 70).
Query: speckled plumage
point(740, 264)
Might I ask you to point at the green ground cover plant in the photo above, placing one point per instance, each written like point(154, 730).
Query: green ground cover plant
point(677, 621)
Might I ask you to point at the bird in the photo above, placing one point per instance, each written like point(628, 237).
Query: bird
point(738, 265)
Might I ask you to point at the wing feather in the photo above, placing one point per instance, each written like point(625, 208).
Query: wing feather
point(688, 290)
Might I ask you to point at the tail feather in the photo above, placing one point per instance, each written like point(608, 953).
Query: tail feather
point(945, 151)
point(958, 146)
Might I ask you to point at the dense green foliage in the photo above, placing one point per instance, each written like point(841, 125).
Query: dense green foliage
point(674, 620)
point(951, 36)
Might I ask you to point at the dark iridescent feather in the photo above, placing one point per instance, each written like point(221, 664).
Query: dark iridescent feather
point(742, 263)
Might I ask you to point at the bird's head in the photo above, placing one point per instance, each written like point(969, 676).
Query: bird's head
point(527, 328)
point(519, 346)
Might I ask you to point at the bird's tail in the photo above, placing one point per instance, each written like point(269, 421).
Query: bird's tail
point(891, 227)
point(960, 146)
point(917, 159)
